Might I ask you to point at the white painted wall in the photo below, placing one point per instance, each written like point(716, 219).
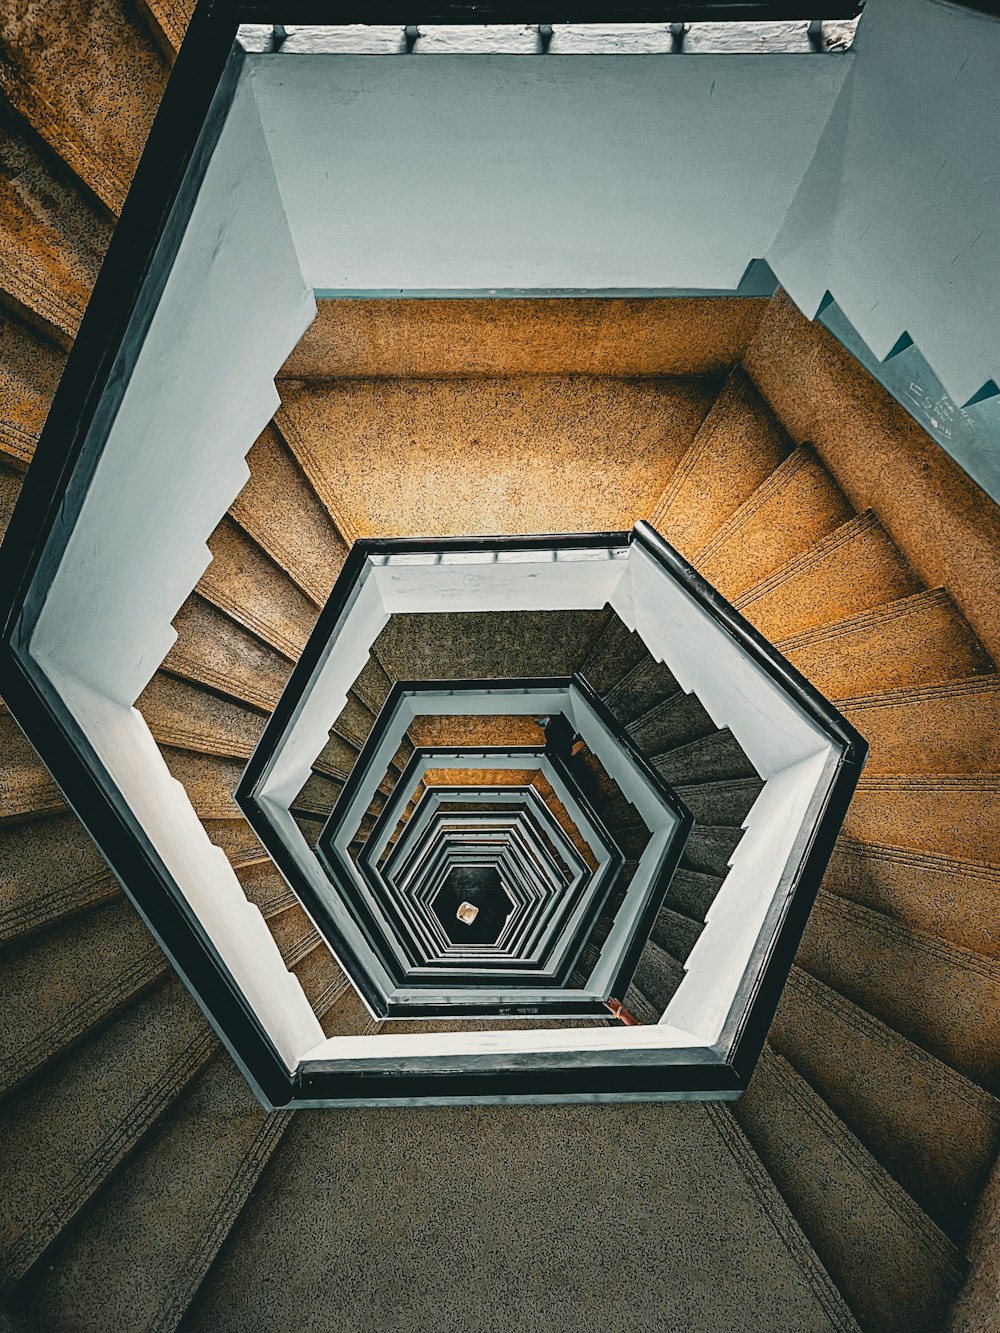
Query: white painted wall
point(518, 171)
point(899, 214)
point(201, 392)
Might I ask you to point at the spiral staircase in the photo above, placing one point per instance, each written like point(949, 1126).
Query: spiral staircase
point(853, 1184)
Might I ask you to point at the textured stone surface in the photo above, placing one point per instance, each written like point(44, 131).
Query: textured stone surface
point(539, 1249)
point(208, 780)
point(936, 1132)
point(49, 869)
point(150, 1238)
point(478, 645)
point(944, 524)
point(412, 457)
point(10, 489)
point(953, 814)
point(941, 997)
point(88, 78)
point(168, 21)
point(739, 445)
point(58, 985)
point(244, 583)
point(428, 338)
point(30, 367)
point(215, 650)
point(854, 569)
point(51, 240)
point(189, 718)
point(954, 898)
point(470, 730)
point(280, 510)
point(793, 509)
point(66, 1132)
point(896, 1269)
point(918, 640)
point(25, 786)
point(949, 728)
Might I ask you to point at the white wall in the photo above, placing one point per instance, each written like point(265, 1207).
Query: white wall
point(899, 214)
point(201, 392)
point(521, 171)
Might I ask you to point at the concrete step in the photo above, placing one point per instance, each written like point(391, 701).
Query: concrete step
point(54, 64)
point(797, 506)
point(10, 489)
point(373, 683)
point(647, 685)
point(354, 722)
point(60, 984)
point(948, 896)
point(67, 1131)
point(49, 870)
point(147, 1241)
point(189, 717)
point(479, 645)
point(710, 848)
point(52, 237)
point(195, 1171)
point(945, 814)
point(656, 978)
point(942, 998)
point(613, 653)
point(318, 796)
point(934, 1131)
point(852, 569)
point(940, 520)
point(249, 587)
point(167, 21)
point(64, 982)
point(490, 454)
point(30, 367)
point(310, 826)
point(471, 338)
point(692, 892)
point(237, 840)
point(916, 641)
point(896, 1269)
point(948, 728)
point(676, 934)
point(738, 446)
point(716, 757)
point(26, 790)
point(215, 650)
point(209, 781)
point(280, 510)
point(726, 802)
point(674, 723)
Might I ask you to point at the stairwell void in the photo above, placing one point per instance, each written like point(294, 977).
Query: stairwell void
point(89, 623)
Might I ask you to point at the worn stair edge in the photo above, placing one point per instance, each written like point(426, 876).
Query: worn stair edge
point(932, 1129)
point(859, 1221)
point(782, 1218)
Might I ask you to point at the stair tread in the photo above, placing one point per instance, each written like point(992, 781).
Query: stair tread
point(935, 994)
point(243, 582)
point(213, 649)
point(936, 1132)
point(915, 641)
point(283, 514)
point(948, 896)
point(855, 568)
point(69, 1129)
point(797, 505)
point(896, 1268)
point(737, 447)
